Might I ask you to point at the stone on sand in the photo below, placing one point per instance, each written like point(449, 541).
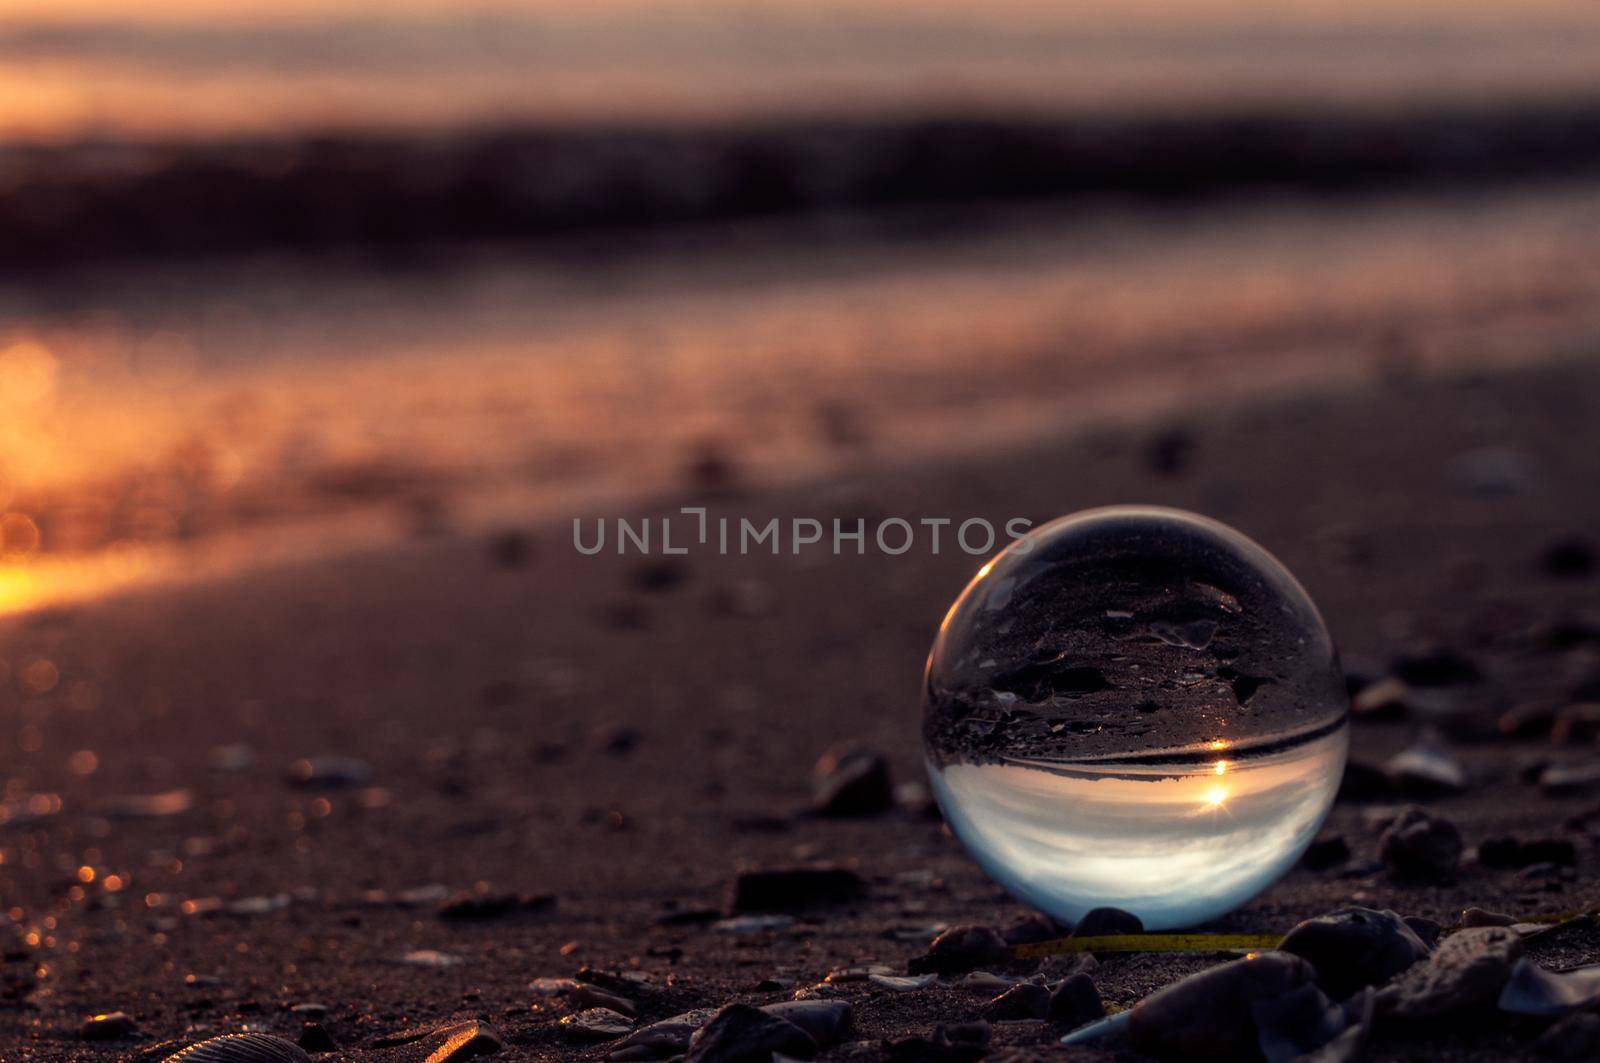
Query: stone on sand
point(1419, 847)
point(960, 949)
point(740, 1033)
point(1467, 970)
point(1355, 947)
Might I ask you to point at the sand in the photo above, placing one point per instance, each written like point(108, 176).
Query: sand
point(489, 700)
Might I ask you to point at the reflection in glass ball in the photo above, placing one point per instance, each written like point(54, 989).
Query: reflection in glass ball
point(1135, 707)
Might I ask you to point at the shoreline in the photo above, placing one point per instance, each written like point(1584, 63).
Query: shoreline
point(326, 539)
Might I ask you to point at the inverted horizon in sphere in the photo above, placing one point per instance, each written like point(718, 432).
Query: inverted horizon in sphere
point(1139, 708)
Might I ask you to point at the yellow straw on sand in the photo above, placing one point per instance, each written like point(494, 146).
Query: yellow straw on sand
point(1205, 942)
point(1147, 943)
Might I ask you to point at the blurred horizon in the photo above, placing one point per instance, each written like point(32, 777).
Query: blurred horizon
point(191, 69)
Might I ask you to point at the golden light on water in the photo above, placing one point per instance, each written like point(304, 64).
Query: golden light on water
point(27, 375)
point(1215, 795)
point(45, 581)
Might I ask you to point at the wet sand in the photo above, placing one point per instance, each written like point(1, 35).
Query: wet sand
point(626, 740)
point(202, 416)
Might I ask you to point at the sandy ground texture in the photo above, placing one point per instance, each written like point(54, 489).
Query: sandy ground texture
point(615, 739)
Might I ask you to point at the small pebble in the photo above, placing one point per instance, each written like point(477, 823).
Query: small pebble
point(711, 469)
point(1170, 451)
point(109, 1026)
point(959, 1043)
point(1212, 1014)
point(986, 982)
point(430, 958)
point(1025, 1000)
point(1540, 872)
point(1427, 767)
point(1576, 724)
point(1492, 472)
point(1326, 853)
point(316, 1040)
point(1364, 782)
point(596, 1024)
point(617, 739)
point(1508, 852)
point(148, 806)
point(588, 996)
point(1528, 719)
point(1571, 780)
point(1419, 847)
point(752, 924)
point(1075, 1001)
point(788, 889)
point(1355, 947)
point(1387, 699)
point(231, 758)
point(1532, 990)
point(856, 974)
point(826, 1021)
point(1573, 1037)
point(658, 575)
point(740, 1033)
point(510, 549)
point(1428, 930)
point(1571, 558)
point(465, 1040)
point(961, 949)
point(258, 905)
point(1468, 969)
point(477, 906)
point(1479, 917)
point(851, 781)
point(914, 798)
point(899, 983)
point(1105, 922)
point(1032, 928)
point(664, 1039)
point(1435, 667)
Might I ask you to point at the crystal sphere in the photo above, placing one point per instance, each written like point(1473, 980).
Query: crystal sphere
point(1135, 707)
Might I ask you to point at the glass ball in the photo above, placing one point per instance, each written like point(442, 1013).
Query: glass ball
point(1135, 707)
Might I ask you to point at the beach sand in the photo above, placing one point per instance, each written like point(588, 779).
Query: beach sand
point(626, 736)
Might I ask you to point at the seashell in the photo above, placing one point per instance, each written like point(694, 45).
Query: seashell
point(902, 983)
point(464, 1041)
point(242, 1048)
point(752, 924)
point(1532, 990)
point(669, 1037)
point(596, 1024)
point(825, 1020)
point(1428, 766)
point(857, 974)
